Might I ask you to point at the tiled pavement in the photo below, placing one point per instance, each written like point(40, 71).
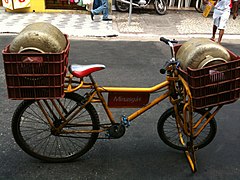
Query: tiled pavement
point(79, 25)
point(176, 23)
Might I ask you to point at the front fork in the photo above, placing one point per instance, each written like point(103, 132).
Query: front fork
point(181, 99)
point(185, 126)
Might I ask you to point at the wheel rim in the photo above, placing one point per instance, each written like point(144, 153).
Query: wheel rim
point(176, 138)
point(160, 6)
point(38, 140)
point(120, 6)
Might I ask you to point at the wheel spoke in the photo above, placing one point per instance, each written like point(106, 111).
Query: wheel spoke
point(34, 135)
point(174, 136)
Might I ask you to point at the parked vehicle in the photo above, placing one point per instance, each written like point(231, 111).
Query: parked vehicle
point(159, 5)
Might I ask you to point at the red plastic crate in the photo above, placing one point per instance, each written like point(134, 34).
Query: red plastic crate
point(214, 85)
point(35, 80)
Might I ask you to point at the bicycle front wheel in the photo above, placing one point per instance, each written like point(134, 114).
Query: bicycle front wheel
point(34, 135)
point(169, 132)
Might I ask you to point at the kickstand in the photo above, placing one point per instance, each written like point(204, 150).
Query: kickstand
point(191, 157)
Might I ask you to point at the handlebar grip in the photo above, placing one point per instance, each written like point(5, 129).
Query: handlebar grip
point(163, 69)
point(163, 39)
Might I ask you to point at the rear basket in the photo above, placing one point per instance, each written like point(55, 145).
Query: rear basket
point(42, 78)
point(214, 85)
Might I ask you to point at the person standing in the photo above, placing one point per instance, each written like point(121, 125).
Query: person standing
point(103, 8)
point(221, 15)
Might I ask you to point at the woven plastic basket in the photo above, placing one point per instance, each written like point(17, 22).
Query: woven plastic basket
point(34, 75)
point(214, 85)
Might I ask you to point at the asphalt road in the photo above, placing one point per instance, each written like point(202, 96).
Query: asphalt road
point(139, 154)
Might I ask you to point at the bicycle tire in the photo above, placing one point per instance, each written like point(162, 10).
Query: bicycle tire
point(169, 135)
point(160, 7)
point(32, 132)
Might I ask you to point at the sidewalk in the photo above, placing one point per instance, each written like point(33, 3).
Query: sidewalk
point(145, 24)
point(175, 24)
point(75, 25)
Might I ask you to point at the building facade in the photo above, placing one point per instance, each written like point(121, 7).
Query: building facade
point(42, 5)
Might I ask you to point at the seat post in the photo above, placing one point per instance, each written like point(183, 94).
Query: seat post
point(92, 80)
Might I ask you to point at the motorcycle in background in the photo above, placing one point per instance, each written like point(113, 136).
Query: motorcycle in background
point(159, 5)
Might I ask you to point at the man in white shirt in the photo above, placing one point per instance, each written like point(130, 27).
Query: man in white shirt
point(221, 15)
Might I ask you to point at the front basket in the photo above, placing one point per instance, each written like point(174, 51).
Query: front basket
point(214, 85)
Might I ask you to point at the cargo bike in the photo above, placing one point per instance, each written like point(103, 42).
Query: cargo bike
point(54, 123)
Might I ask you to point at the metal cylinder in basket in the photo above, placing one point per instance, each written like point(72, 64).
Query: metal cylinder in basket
point(216, 83)
point(32, 73)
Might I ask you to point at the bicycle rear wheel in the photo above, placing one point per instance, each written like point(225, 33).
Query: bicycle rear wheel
point(34, 135)
point(168, 131)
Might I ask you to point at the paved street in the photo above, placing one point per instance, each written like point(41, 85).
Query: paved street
point(139, 154)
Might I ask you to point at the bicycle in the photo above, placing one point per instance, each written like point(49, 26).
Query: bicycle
point(65, 128)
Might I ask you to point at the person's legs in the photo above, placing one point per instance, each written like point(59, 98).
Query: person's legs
point(221, 32)
point(214, 30)
point(105, 9)
point(222, 24)
point(235, 8)
point(99, 9)
point(216, 20)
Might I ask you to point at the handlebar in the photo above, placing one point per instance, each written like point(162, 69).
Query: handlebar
point(163, 39)
point(172, 60)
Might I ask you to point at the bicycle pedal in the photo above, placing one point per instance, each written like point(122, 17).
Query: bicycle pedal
point(125, 121)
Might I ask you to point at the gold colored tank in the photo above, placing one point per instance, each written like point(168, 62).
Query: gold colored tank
point(41, 37)
point(193, 52)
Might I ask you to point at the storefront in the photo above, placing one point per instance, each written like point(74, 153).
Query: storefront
point(42, 6)
point(69, 5)
point(62, 4)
